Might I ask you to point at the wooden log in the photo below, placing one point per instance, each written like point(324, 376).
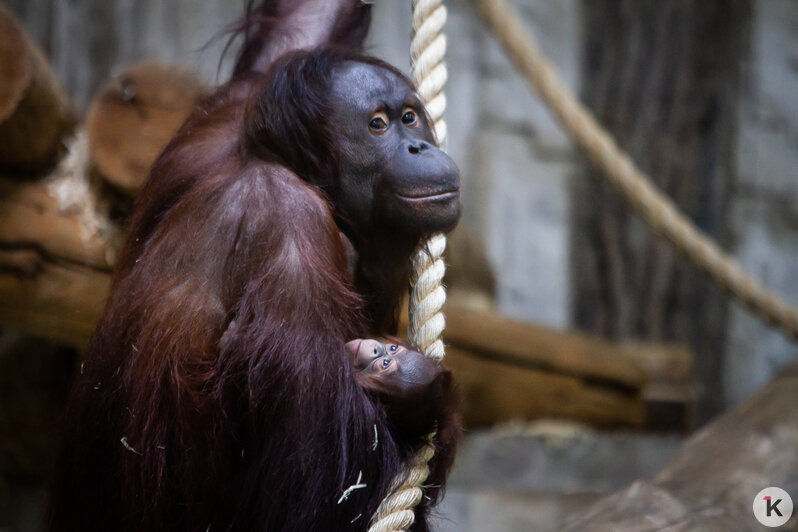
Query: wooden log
point(496, 389)
point(711, 483)
point(54, 278)
point(540, 365)
point(50, 299)
point(493, 392)
point(512, 370)
point(31, 217)
point(670, 393)
point(486, 333)
point(133, 118)
point(34, 112)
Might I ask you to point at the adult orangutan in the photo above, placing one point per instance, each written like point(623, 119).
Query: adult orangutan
point(217, 391)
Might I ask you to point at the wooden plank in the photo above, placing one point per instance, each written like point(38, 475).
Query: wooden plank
point(51, 299)
point(30, 217)
point(487, 333)
point(640, 384)
point(54, 278)
point(493, 392)
point(133, 118)
point(34, 112)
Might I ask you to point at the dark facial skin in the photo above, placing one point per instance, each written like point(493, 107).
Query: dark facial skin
point(393, 175)
point(411, 386)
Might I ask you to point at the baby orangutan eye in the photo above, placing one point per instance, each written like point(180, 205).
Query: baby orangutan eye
point(409, 118)
point(378, 122)
point(393, 348)
point(385, 362)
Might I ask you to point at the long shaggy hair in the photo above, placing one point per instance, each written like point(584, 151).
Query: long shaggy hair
point(216, 393)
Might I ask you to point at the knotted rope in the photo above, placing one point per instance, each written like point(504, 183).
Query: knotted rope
point(426, 322)
point(656, 209)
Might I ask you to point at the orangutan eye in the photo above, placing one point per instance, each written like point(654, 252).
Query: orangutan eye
point(409, 118)
point(385, 362)
point(393, 348)
point(378, 122)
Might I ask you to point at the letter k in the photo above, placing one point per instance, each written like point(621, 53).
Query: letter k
point(773, 507)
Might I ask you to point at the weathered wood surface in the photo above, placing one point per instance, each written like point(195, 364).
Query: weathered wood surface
point(53, 279)
point(675, 113)
point(520, 343)
point(494, 392)
point(134, 116)
point(34, 112)
point(711, 483)
point(510, 370)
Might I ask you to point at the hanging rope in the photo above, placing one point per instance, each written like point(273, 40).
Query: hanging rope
point(426, 322)
point(427, 50)
point(656, 209)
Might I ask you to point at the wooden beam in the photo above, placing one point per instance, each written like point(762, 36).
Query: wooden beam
point(34, 112)
point(31, 217)
point(512, 370)
point(493, 392)
point(487, 333)
point(133, 118)
point(50, 299)
point(53, 278)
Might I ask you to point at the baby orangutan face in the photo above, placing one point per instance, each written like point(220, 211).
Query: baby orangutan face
point(390, 367)
point(412, 388)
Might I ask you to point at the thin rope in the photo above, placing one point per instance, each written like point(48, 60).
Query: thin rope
point(427, 296)
point(658, 211)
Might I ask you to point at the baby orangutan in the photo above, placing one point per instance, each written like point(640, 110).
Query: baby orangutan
point(416, 392)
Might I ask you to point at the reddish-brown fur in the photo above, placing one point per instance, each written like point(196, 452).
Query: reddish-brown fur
point(216, 393)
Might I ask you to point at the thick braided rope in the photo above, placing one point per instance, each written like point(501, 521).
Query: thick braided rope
point(395, 514)
point(427, 50)
point(426, 322)
point(656, 209)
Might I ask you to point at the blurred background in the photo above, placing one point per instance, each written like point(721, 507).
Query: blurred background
point(588, 351)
